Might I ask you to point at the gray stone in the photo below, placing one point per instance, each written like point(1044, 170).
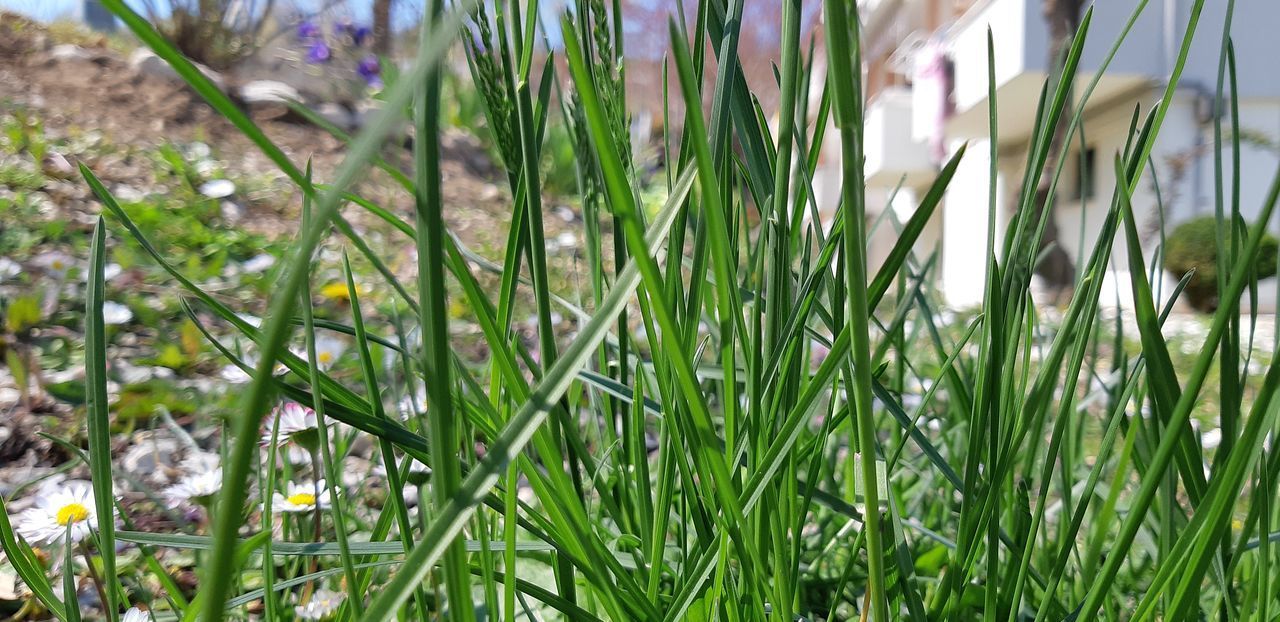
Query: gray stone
point(68, 51)
point(145, 62)
point(231, 211)
point(218, 188)
point(564, 213)
point(337, 115)
point(258, 92)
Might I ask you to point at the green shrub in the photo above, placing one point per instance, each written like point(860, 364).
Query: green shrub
point(212, 32)
point(1193, 246)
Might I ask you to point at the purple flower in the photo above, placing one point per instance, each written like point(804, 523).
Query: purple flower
point(360, 34)
point(308, 30)
point(369, 69)
point(318, 53)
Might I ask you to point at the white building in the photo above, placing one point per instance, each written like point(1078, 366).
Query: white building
point(915, 120)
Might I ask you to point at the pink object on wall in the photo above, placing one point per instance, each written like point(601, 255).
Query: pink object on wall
point(931, 101)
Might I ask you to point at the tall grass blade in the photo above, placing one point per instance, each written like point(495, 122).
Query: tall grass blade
point(99, 416)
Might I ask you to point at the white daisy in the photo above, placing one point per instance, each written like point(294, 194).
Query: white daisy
point(203, 480)
point(234, 375)
point(297, 425)
point(135, 614)
point(323, 605)
point(302, 498)
point(60, 510)
point(297, 456)
point(328, 349)
point(55, 263)
point(114, 313)
point(200, 461)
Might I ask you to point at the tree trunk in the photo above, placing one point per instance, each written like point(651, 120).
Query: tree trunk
point(382, 27)
point(1062, 18)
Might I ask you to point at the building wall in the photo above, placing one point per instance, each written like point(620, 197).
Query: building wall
point(1259, 157)
point(1148, 50)
point(965, 223)
point(1181, 166)
point(1182, 156)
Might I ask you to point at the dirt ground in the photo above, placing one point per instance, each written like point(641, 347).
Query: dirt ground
point(90, 88)
point(98, 91)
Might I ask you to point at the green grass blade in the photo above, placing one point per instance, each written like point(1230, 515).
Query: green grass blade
point(450, 519)
point(99, 416)
point(444, 436)
point(847, 102)
point(1182, 411)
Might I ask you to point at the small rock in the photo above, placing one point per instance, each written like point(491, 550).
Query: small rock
point(268, 92)
point(55, 165)
point(337, 115)
point(133, 374)
point(218, 188)
point(153, 457)
point(259, 263)
point(145, 62)
point(114, 313)
point(68, 51)
point(128, 194)
point(10, 588)
point(564, 213)
point(231, 212)
point(199, 150)
point(206, 167)
point(365, 111)
point(9, 268)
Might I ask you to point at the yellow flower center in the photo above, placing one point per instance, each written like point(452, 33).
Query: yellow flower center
point(58, 265)
point(302, 498)
point(325, 357)
point(72, 513)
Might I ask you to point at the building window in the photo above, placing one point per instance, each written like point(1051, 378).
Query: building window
point(1086, 174)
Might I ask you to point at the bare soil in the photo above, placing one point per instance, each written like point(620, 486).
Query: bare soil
point(99, 92)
